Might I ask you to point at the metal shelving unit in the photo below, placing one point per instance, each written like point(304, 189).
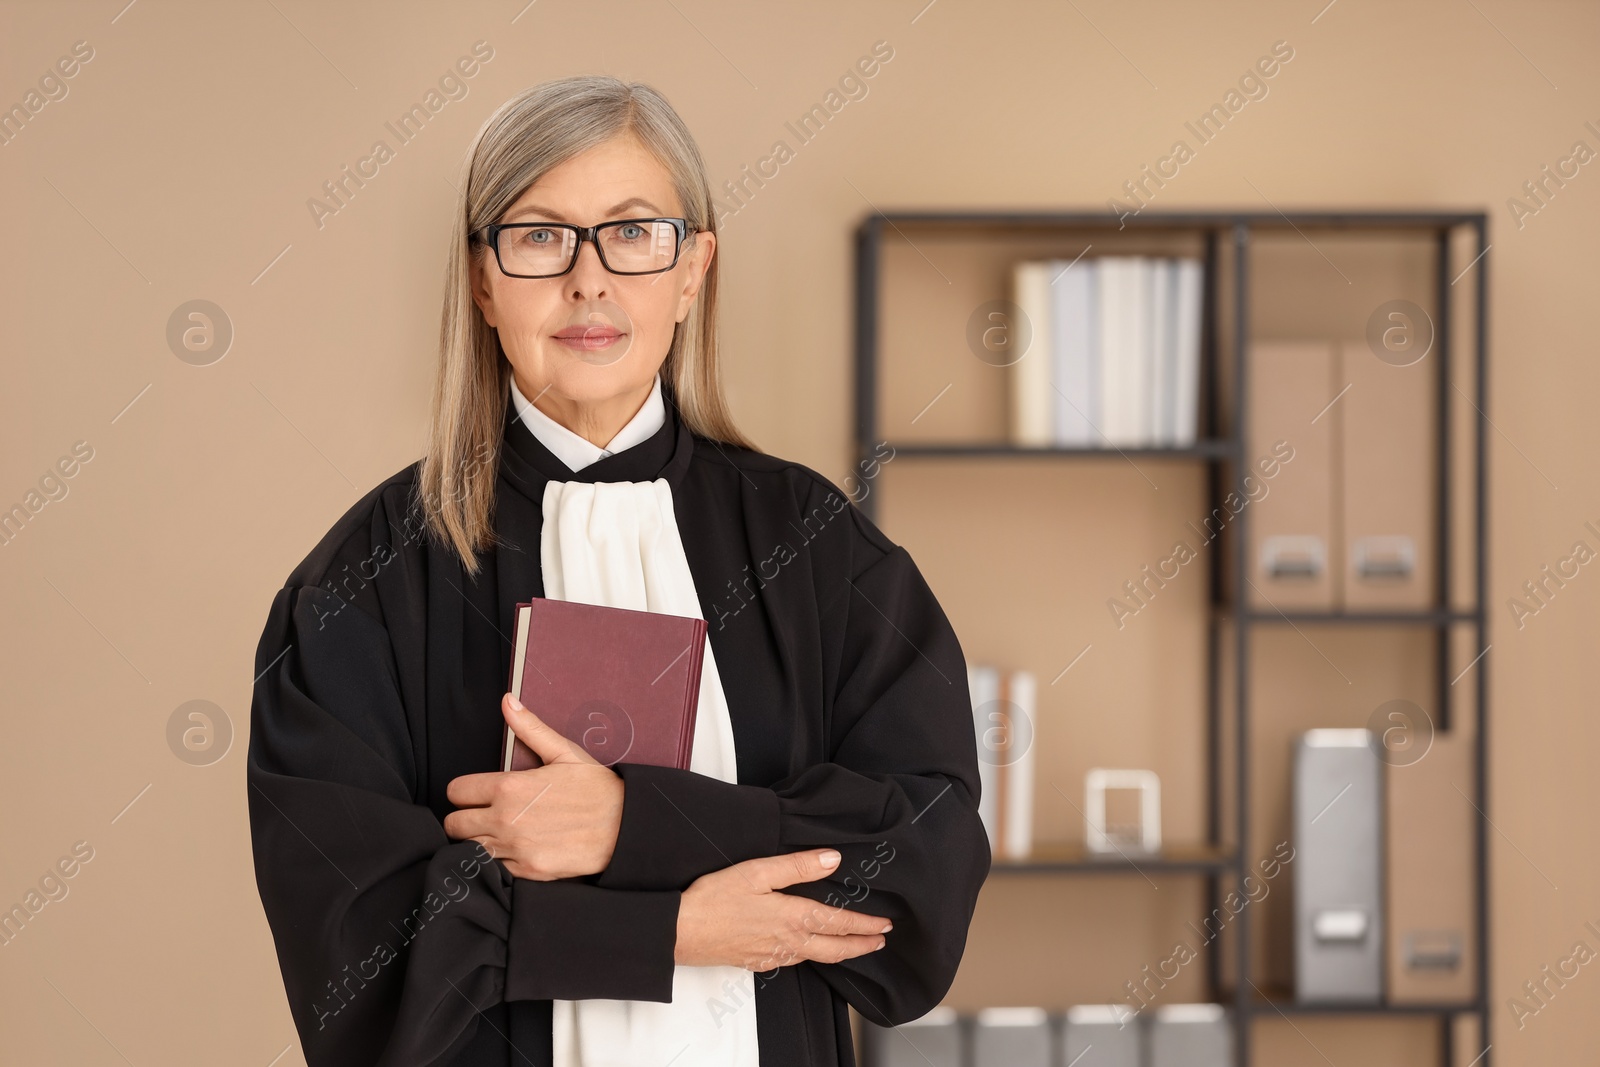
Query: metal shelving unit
point(1224, 866)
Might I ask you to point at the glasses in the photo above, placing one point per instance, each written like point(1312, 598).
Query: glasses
point(550, 249)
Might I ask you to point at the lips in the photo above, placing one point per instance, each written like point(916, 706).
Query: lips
point(595, 336)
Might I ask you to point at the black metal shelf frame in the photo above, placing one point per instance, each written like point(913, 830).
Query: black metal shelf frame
point(1220, 864)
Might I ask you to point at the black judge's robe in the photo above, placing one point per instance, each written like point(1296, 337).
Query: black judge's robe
point(381, 671)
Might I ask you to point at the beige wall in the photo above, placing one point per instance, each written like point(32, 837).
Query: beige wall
point(179, 165)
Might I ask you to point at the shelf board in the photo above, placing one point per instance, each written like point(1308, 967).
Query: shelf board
point(1075, 859)
point(1362, 219)
point(1208, 449)
point(1359, 618)
point(1280, 1001)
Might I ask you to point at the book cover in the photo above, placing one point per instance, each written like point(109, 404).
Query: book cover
point(624, 684)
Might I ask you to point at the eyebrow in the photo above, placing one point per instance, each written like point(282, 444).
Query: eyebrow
point(556, 216)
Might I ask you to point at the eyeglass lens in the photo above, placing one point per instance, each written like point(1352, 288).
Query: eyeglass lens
point(626, 247)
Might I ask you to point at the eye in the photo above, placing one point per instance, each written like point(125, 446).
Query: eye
point(630, 231)
point(540, 237)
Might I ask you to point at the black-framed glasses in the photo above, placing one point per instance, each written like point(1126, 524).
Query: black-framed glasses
point(550, 249)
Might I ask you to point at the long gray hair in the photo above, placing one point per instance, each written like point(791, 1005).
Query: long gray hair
point(536, 130)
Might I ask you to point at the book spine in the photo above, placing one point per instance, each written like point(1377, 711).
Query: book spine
point(1072, 350)
point(1002, 755)
point(983, 685)
point(1189, 292)
point(1161, 352)
point(691, 697)
point(1136, 316)
point(519, 655)
point(1111, 354)
point(1022, 750)
point(1030, 372)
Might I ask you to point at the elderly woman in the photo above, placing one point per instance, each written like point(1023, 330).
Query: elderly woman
point(823, 849)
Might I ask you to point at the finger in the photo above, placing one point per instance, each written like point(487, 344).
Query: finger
point(547, 743)
point(469, 823)
point(497, 850)
point(474, 790)
point(775, 872)
point(826, 948)
point(830, 919)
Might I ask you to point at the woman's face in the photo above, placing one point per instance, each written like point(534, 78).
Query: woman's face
point(591, 336)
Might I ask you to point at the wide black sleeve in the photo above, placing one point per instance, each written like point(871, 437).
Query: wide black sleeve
point(897, 796)
point(390, 936)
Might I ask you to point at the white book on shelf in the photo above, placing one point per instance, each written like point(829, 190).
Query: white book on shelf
point(1123, 328)
point(1076, 393)
point(1113, 273)
point(1136, 312)
point(1020, 758)
point(1030, 373)
point(1188, 286)
point(983, 683)
point(1162, 353)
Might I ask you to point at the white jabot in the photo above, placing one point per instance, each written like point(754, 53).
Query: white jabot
point(617, 543)
point(576, 451)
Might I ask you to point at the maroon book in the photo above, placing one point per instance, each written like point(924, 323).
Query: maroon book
point(623, 684)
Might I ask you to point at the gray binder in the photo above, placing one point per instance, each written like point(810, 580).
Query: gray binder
point(934, 1039)
point(1190, 1035)
point(1338, 868)
point(1102, 1035)
point(1011, 1037)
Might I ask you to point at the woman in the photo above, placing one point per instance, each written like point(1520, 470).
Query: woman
point(823, 849)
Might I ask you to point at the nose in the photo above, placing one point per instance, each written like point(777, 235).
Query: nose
point(589, 278)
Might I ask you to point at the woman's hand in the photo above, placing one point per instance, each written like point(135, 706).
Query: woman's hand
point(556, 821)
point(734, 917)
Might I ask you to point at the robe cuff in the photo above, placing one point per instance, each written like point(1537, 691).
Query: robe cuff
point(678, 825)
point(572, 941)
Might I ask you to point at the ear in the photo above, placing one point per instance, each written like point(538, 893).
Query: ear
point(695, 263)
point(477, 272)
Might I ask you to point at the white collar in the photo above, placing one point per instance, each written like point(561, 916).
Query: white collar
point(576, 451)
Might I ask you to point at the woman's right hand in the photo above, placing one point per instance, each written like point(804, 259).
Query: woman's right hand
point(735, 917)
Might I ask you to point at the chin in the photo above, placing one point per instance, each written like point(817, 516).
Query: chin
point(588, 379)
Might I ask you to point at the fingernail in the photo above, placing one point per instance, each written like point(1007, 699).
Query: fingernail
point(886, 928)
point(515, 703)
point(880, 945)
point(830, 858)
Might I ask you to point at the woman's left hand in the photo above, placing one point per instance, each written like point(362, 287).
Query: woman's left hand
point(556, 821)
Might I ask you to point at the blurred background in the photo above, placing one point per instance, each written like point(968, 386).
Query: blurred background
point(216, 341)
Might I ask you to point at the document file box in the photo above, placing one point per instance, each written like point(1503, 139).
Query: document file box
point(1191, 1035)
point(1387, 462)
point(1431, 875)
point(931, 1041)
point(1338, 890)
point(1291, 557)
point(1102, 1035)
point(1012, 1037)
